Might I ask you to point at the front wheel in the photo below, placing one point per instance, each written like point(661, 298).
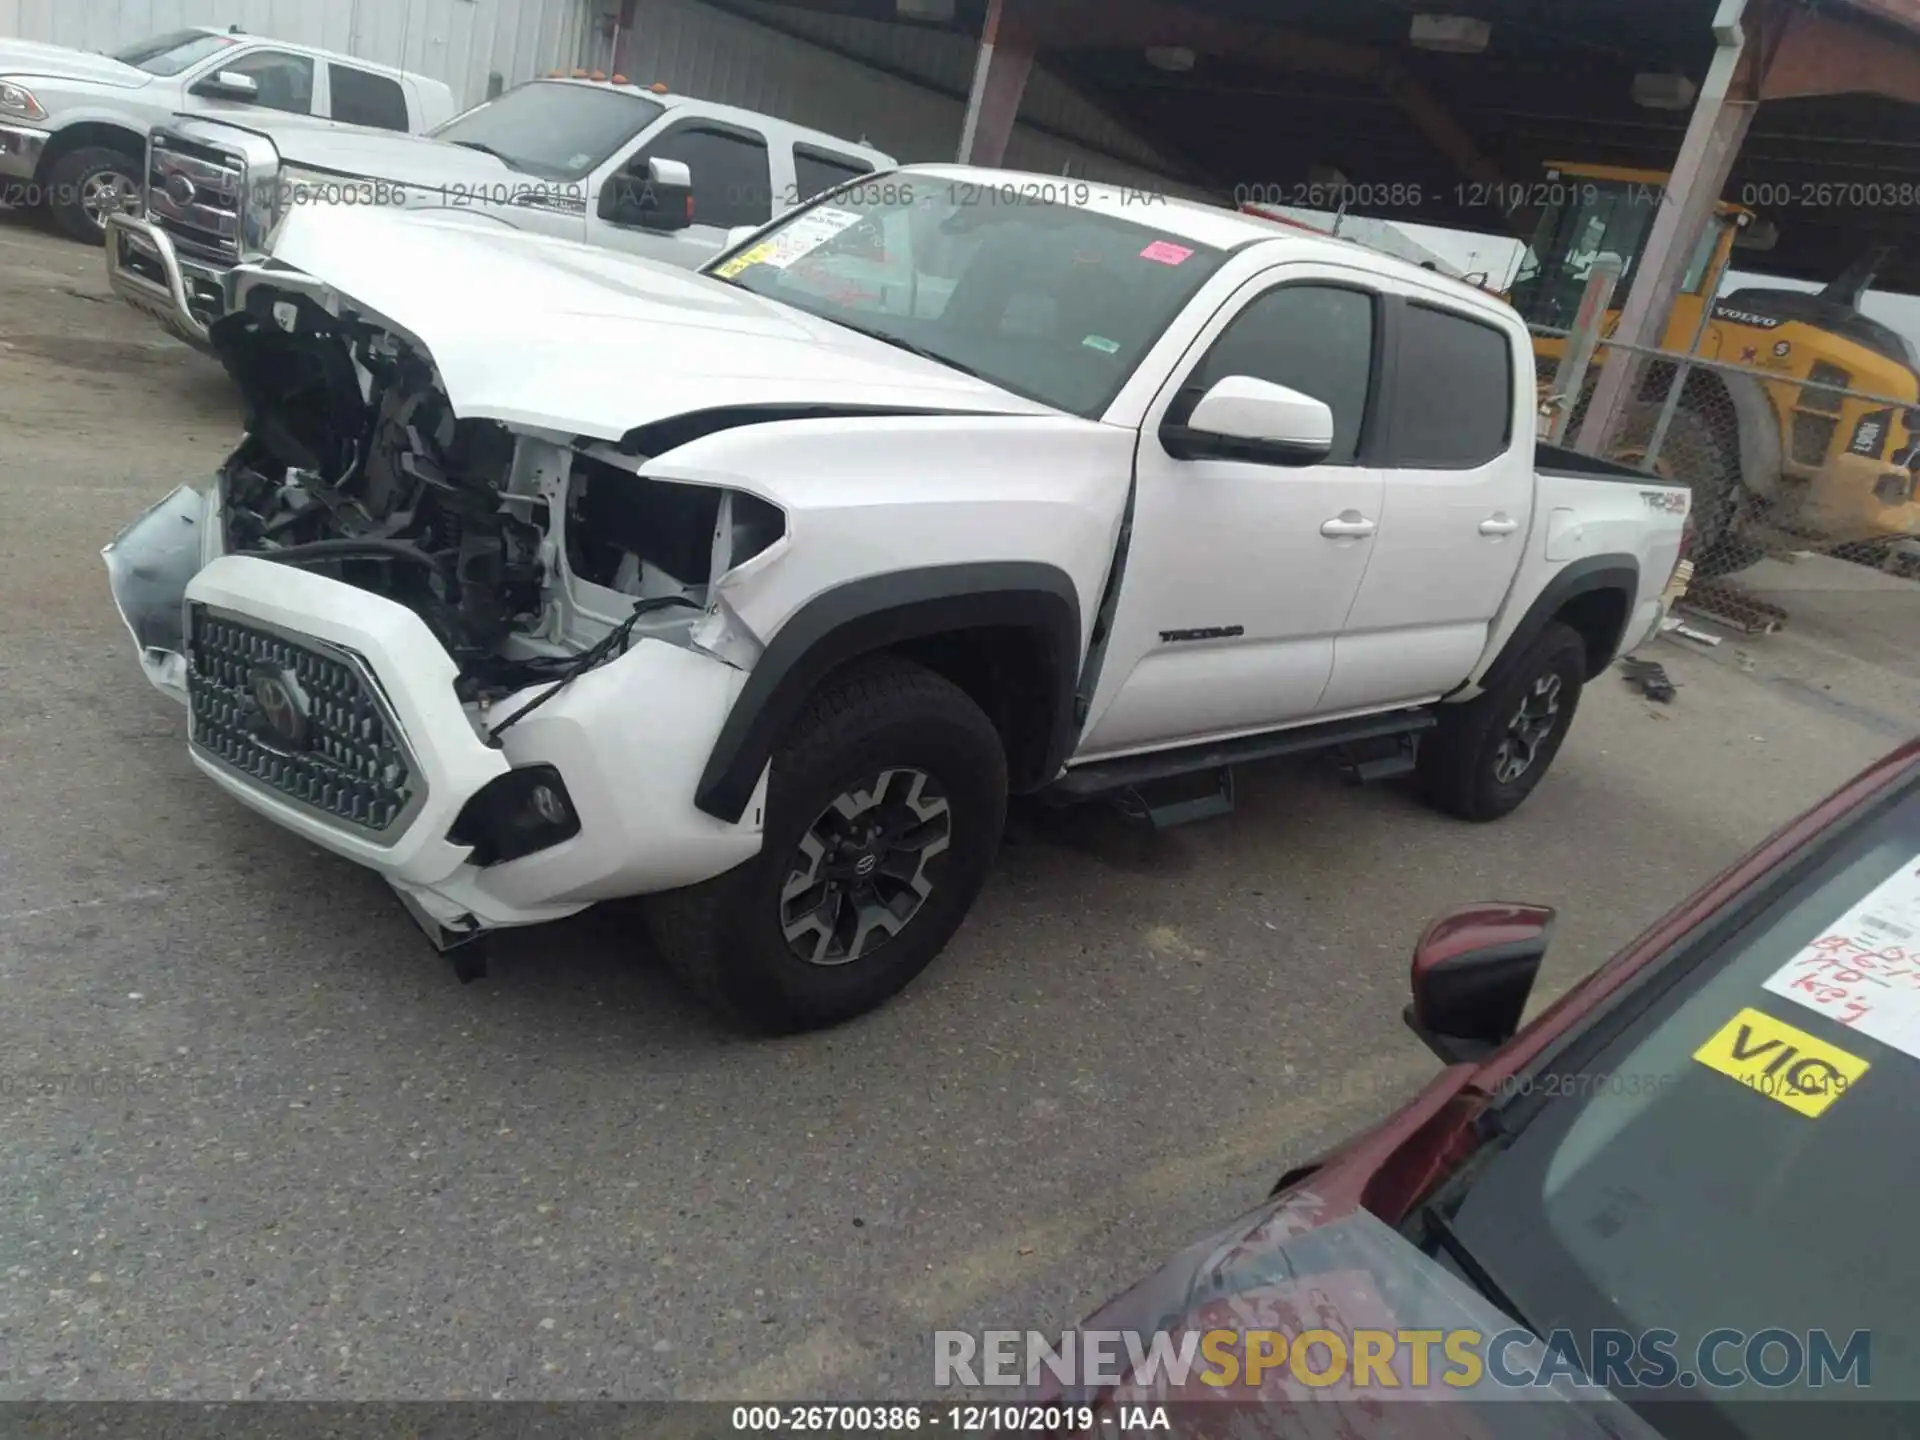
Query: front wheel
point(884, 814)
point(1487, 755)
point(87, 186)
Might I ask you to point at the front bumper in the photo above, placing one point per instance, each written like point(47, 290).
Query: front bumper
point(1852, 499)
point(20, 152)
point(630, 738)
point(146, 270)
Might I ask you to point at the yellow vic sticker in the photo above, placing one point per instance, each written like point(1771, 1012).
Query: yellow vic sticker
point(743, 260)
point(1802, 1072)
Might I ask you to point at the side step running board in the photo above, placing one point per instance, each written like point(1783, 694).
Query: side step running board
point(1369, 759)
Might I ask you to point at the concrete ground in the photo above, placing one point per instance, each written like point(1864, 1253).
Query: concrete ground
point(256, 1141)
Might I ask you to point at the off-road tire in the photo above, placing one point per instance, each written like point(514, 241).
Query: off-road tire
point(1458, 769)
point(1694, 455)
point(725, 939)
point(67, 182)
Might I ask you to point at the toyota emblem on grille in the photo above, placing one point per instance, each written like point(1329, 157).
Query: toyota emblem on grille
point(181, 190)
point(282, 706)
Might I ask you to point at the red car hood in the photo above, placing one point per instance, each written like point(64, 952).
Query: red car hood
point(1293, 1267)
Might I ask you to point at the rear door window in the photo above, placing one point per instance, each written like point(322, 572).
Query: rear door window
point(1452, 401)
point(362, 98)
point(817, 171)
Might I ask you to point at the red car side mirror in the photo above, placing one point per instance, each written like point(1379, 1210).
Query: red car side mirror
point(1473, 970)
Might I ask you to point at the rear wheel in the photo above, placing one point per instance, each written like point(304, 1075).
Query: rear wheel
point(1487, 755)
point(884, 813)
point(87, 186)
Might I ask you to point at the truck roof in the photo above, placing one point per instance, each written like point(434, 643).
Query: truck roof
point(756, 119)
point(1213, 225)
point(359, 63)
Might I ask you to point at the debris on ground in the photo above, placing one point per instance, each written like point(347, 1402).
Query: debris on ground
point(1680, 627)
point(1728, 605)
point(1650, 678)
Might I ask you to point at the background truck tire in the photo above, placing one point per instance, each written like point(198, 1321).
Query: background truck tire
point(832, 919)
point(1693, 455)
point(79, 183)
point(1487, 755)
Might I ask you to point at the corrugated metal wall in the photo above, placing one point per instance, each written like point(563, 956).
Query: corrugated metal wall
point(702, 50)
point(458, 41)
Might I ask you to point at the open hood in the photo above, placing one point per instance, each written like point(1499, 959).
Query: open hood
point(543, 333)
point(24, 58)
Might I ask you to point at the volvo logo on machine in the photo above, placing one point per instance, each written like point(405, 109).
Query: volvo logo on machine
point(282, 706)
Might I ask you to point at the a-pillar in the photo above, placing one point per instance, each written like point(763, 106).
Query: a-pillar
point(1000, 72)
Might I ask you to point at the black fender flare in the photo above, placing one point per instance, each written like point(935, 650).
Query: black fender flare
point(1580, 577)
point(871, 614)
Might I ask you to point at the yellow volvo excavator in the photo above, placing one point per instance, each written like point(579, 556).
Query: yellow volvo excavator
point(1776, 447)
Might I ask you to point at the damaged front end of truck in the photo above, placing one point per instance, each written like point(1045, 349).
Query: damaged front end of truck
point(486, 658)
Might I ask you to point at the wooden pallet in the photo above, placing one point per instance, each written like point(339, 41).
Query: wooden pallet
point(1724, 604)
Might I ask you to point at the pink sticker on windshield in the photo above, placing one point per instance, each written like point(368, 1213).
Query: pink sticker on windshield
point(1166, 252)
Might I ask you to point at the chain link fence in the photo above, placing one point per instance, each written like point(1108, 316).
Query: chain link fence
point(1786, 456)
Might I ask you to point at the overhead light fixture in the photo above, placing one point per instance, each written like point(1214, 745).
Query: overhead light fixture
point(1663, 92)
point(1452, 34)
point(939, 12)
point(1176, 58)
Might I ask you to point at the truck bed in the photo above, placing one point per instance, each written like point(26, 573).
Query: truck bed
point(1564, 460)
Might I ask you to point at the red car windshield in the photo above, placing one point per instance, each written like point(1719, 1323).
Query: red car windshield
point(1734, 1146)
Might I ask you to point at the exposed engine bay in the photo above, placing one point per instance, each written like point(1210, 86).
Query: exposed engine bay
point(529, 558)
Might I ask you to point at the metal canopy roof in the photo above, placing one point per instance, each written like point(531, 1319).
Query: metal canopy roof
point(1282, 92)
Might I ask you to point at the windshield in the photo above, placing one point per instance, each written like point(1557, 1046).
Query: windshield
point(1030, 291)
point(552, 129)
point(171, 53)
point(1739, 1154)
point(1588, 219)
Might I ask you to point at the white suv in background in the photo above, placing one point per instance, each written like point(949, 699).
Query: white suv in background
point(73, 125)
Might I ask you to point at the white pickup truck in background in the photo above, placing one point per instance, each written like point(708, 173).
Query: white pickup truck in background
point(73, 125)
point(607, 163)
point(548, 575)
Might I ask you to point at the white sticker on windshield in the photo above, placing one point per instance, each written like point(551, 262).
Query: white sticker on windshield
point(805, 235)
point(1864, 970)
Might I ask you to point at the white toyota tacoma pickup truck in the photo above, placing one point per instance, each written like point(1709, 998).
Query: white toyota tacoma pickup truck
point(545, 575)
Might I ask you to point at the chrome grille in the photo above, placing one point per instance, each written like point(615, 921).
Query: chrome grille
point(196, 193)
point(341, 756)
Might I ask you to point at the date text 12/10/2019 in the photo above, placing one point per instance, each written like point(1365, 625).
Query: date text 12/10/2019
point(948, 1419)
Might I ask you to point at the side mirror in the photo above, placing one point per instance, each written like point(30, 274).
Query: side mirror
point(1242, 418)
point(1472, 973)
point(229, 85)
point(654, 194)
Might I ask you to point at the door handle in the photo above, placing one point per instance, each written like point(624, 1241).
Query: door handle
point(1348, 525)
point(1499, 525)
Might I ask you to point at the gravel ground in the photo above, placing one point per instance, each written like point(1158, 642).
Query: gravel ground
point(256, 1141)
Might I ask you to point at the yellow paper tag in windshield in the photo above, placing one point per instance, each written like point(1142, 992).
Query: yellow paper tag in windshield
point(1801, 1071)
point(744, 260)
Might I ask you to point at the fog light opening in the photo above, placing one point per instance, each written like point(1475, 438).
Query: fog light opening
point(516, 815)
